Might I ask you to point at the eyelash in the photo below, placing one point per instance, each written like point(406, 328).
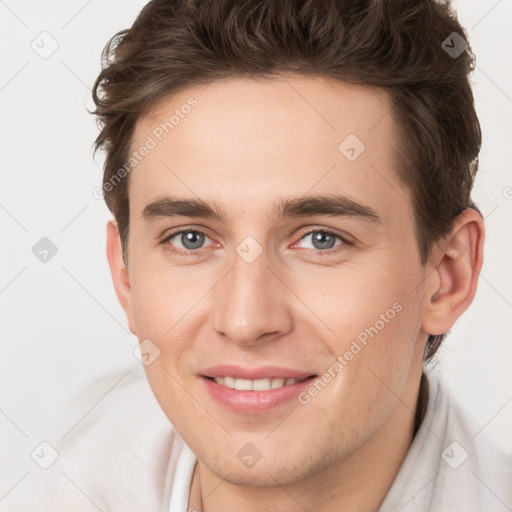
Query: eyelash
point(332, 250)
point(179, 232)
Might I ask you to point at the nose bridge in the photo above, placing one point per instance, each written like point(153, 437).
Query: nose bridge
point(249, 301)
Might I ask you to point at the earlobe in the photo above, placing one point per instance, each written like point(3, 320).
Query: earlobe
point(455, 277)
point(119, 271)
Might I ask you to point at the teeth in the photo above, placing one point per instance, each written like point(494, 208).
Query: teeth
point(229, 382)
point(277, 383)
point(261, 385)
point(243, 384)
point(254, 385)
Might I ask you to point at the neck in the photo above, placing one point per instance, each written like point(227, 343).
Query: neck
point(360, 481)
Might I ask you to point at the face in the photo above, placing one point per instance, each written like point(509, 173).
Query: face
point(300, 262)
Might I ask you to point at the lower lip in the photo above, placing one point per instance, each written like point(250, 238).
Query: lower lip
point(254, 402)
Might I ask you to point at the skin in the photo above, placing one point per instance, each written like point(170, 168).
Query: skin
point(247, 145)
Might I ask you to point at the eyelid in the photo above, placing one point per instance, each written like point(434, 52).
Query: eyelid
point(172, 232)
point(168, 234)
point(344, 237)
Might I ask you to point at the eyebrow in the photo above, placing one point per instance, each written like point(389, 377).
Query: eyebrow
point(331, 205)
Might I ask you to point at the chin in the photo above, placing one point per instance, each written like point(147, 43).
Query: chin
point(266, 473)
point(261, 477)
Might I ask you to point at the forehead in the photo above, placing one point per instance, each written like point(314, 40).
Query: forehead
point(254, 139)
point(241, 110)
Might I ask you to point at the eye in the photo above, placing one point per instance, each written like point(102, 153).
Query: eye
point(187, 239)
point(321, 240)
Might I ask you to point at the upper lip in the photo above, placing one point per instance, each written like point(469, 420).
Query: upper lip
point(261, 372)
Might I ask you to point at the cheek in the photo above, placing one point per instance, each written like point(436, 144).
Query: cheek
point(349, 298)
point(166, 305)
point(373, 314)
point(165, 298)
point(389, 348)
point(375, 362)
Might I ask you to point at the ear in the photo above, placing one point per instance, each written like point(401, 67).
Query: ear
point(119, 272)
point(453, 282)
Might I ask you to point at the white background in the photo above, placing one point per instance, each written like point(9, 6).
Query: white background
point(61, 324)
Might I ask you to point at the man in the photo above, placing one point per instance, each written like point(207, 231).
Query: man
point(293, 237)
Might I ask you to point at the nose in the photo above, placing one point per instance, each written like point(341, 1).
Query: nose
point(251, 303)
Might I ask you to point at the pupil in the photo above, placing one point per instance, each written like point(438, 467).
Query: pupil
point(192, 239)
point(323, 240)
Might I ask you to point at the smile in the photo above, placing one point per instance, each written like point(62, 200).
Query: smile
point(255, 385)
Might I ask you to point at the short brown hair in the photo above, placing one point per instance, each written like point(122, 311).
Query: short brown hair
point(399, 45)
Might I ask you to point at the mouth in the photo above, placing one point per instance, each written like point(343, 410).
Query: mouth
point(256, 384)
point(257, 390)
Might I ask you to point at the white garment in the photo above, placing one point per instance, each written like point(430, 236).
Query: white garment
point(125, 456)
point(447, 469)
